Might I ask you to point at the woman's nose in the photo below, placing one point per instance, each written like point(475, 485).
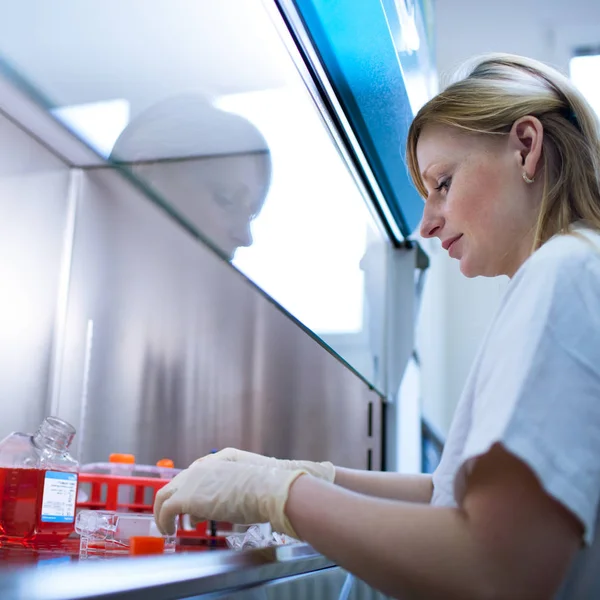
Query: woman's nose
point(431, 223)
point(241, 234)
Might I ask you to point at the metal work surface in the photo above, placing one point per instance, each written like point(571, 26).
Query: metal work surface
point(177, 576)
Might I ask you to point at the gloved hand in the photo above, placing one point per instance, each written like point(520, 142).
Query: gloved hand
point(217, 490)
point(321, 470)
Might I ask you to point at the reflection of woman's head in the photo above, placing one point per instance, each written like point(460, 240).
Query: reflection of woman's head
point(213, 166)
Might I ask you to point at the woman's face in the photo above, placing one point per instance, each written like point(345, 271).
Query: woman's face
point(478, 204)
point(219, 195)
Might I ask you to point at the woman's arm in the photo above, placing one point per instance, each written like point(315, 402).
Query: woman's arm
point(509, 539)
point(394, 486)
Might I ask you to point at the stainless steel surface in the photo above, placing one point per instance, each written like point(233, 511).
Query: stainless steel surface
point(33, 192)
point(325, 584)
point(168, 577)
point(187, 354)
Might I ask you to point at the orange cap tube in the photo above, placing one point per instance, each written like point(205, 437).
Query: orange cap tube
point(128, 459)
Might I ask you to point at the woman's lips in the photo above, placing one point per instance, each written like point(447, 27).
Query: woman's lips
point(452, 245)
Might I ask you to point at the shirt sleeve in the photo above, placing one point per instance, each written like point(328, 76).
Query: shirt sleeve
point(538, 386)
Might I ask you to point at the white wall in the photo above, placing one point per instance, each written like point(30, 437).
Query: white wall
point(456, 311)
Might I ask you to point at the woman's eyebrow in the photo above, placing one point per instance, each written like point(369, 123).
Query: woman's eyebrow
point(441, 166)
point(424, 173)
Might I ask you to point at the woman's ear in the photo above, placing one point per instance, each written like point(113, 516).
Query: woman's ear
point(525, 139)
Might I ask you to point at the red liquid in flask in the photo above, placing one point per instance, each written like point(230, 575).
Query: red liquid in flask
point(21, 496)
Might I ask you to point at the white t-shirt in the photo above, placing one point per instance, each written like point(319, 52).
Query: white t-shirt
point(535, 388)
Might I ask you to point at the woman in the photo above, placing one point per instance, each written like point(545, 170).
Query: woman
point(508, 161)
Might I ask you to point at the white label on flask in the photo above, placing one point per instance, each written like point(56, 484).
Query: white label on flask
point(58, 502)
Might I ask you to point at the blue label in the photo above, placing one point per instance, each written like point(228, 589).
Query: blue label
point(55, 519)
point(59, 475)
point(58, 502)
point(50, 562)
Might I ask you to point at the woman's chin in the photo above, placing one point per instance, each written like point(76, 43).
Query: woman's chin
point(468, 269)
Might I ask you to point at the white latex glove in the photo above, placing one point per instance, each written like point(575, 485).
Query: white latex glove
point(216, 490)
point(321, 470)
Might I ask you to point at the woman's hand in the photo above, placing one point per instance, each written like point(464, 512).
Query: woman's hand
point(235, 492)
point(321, 470)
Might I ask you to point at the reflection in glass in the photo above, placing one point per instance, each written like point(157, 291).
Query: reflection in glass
point(408, 24)
point(212, 165)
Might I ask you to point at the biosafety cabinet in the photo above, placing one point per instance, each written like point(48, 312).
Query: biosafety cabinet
point(205, 232)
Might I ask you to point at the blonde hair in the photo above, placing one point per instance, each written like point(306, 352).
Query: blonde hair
point(489, 95)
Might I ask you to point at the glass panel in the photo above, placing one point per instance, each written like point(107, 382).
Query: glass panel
point(411, 34)
point(202, 102)
point(377, 90)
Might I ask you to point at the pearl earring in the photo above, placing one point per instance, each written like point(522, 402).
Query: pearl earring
point(526, 179)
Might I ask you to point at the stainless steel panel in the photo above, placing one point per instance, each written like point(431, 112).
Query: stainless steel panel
point(33, 204)
point(326, 584)
point(362, 591)
point(171, 352)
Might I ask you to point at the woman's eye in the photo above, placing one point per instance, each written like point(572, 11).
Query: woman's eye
point(224, 201)
point(444, 185)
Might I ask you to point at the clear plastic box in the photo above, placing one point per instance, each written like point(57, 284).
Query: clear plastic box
point(106, 533)
point(132, 469)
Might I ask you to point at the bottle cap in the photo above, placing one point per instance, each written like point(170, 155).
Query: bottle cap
point(143, 544)
point(166, 462)
point(128, 459)
point(54, 433)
